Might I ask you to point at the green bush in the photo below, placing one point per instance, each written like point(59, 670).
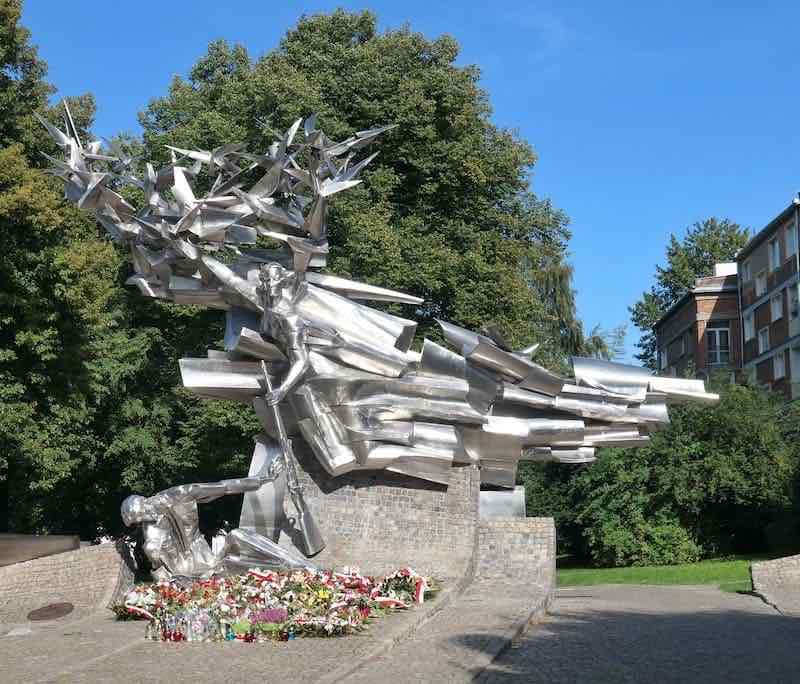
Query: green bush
point(715, 481)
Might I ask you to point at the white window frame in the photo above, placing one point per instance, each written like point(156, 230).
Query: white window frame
point(747, 271)
point(761, 283)
point(776, 307)
point(662, 359)
point(749, 327)
point(763, 341)
point(791, 240)
point(714, 354)
point(779, 366)
point(774, 254)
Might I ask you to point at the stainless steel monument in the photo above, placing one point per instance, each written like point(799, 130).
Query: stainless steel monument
point(311, 357)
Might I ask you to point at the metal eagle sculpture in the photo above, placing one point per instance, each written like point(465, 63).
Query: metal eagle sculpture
point(312, 358)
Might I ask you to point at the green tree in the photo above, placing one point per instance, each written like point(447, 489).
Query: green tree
point(445, 212)
point(88, 405)
point(23, 89)
point(705, 243)
point(92, 407)
point(710, 483)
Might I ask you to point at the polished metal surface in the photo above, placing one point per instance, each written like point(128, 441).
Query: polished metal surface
point(263, 509)
point(171, 531)
point(313, 359)
point(494, 504)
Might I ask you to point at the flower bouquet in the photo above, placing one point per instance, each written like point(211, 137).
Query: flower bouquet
point(271, 606)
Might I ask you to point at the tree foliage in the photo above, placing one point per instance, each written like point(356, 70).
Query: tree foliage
point(705, 244)
point(445, 212)
point(711, 483)
point(92, 408)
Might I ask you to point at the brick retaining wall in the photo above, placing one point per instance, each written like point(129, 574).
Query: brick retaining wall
point(380, 521)
point(89, 578)
point(517, 549)
point(783, 573)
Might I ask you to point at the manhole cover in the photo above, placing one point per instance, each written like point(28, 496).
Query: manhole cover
point(51, 611)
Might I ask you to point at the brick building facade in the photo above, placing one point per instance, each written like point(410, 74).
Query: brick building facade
point(768, 282)
point(701, 332)
point(746, 317)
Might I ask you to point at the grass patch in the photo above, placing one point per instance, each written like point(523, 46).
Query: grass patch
point(728, 575)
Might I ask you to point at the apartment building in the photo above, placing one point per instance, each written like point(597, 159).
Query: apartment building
point(770, 313)
point(701, 332)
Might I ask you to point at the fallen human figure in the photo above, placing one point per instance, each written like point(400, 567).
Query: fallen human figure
point(176, 548)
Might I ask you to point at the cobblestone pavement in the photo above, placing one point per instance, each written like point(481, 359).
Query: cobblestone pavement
point(653, 634)
point(100, 649)
point(450, 639)
point(460, 641)
point(592, 634)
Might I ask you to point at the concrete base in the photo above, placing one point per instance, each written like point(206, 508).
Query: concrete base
point(17, 548)
point(777, 582)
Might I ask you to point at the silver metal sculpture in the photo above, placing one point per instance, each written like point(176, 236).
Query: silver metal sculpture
point(172, 539)
point(311, 358)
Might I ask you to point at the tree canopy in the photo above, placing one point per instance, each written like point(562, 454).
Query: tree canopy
point(716, 481)
point(705, 244)
point(446, 211)
point(92, 406)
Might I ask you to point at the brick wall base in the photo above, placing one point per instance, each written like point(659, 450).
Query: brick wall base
point(90, 578)
point(380, 521)
point(517, 549)
point(778, 580)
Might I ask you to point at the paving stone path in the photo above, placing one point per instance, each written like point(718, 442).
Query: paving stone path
point(460, 641)
point(591, 634)
point(653, 634)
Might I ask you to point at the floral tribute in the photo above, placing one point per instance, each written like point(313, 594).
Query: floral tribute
point(270, 606)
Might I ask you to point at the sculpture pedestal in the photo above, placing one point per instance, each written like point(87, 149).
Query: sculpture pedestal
point(380, 521)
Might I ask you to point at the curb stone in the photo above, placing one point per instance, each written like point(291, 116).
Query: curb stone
point(475, 662)
point(397, 634)
point(520, 626)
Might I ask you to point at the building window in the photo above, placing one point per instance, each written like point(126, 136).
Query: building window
point(747, 272)
point(763, 340)
point(662, 359)
point(791, 240)
point(779, 366)
point(761, 283)
point(749, 328)
point(774, 255)
point(682, 345)
point(719, 350)
point(776, 307)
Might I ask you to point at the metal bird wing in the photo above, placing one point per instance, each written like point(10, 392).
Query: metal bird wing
point(355, 389)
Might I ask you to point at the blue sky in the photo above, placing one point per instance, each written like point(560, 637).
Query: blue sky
point(646, 116)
